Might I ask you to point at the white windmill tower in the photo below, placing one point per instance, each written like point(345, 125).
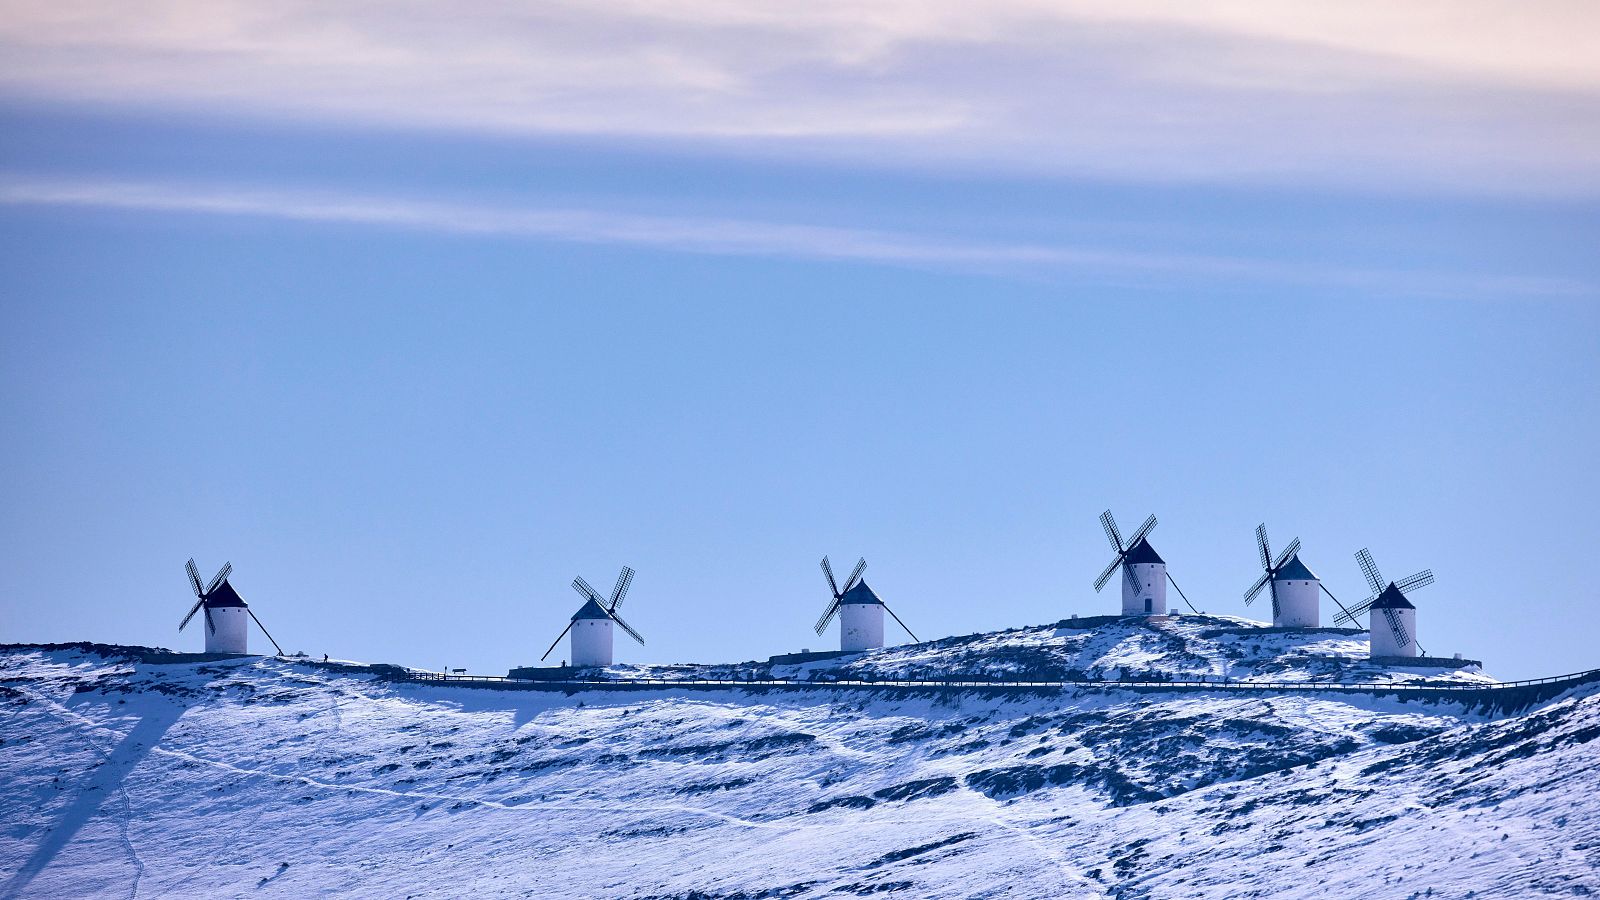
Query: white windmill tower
point(1397, 635)
point(591, 624)
point(227, 615)
point(1144, 572)
point(860, 611)
point(1295, 589)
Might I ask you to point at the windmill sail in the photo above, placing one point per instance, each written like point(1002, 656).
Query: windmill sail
point(1122, 550)
point(1397, 627)
point(834, 605)
point(1271, 566)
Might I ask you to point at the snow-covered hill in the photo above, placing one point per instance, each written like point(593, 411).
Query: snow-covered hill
point(266, 777)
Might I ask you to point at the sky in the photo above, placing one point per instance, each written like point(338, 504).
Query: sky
point(414, 315)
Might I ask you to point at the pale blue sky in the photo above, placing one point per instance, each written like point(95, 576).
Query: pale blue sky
point(412, 364)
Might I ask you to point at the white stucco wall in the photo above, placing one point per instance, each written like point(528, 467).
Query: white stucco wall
point(1298, 604)
point(591, 642)
point(860, 626)
point(1152, 579)
point(232, 634)
point(1383, 642)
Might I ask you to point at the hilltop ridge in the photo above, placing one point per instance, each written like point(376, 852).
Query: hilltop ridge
point(1108, 648)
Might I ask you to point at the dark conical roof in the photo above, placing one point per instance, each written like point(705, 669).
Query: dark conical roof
point(1142, 552)
point(860, 594)
point(590, 610)
point(1391, 598)
point(224, 595)
point(1295, 570)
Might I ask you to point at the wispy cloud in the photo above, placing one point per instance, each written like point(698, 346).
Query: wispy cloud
point(737, 237)
point(1476, 95)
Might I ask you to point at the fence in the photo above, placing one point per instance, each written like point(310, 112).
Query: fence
point(1558, 682)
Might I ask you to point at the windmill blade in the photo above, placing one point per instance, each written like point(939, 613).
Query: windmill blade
point(1369, 568)
point(220, 577)
point(626, 627)
point(1396, 627)
point(1261, 545)
point(624, 581)
point(827, 615)
point(194, 578)
point(1250, 595)
point(1109, 523)
point(914, 638)
point(265, 631)
point(582, 587)
point(1277, 610)
point(1106, 575)
point(1143, 532)
point(1291, 550)
point(210, 623)
point(1420, 580)
point(855, 576)
point(192, 610)
point(555, 642)
point(1355, 612)
point(1131, 578)
point(827, 571)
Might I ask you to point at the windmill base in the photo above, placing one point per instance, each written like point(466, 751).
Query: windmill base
point(174, 658)
point(551, 673)
point(1089, 621)
point(1425, 662)
point(1284, 629)
point(792, 659)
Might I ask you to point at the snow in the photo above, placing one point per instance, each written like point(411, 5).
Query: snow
point(126, 777)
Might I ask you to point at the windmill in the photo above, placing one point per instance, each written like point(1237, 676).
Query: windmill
point(1293, 586)
point(227, 631)
point(859, 609)
point(1144, 572)
point(591, 624)
point(1398, 637)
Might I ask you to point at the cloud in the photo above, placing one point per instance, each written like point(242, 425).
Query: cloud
point(735, 237)
point(1474, 95)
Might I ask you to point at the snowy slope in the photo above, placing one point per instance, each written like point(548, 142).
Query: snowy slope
point(262, 777)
